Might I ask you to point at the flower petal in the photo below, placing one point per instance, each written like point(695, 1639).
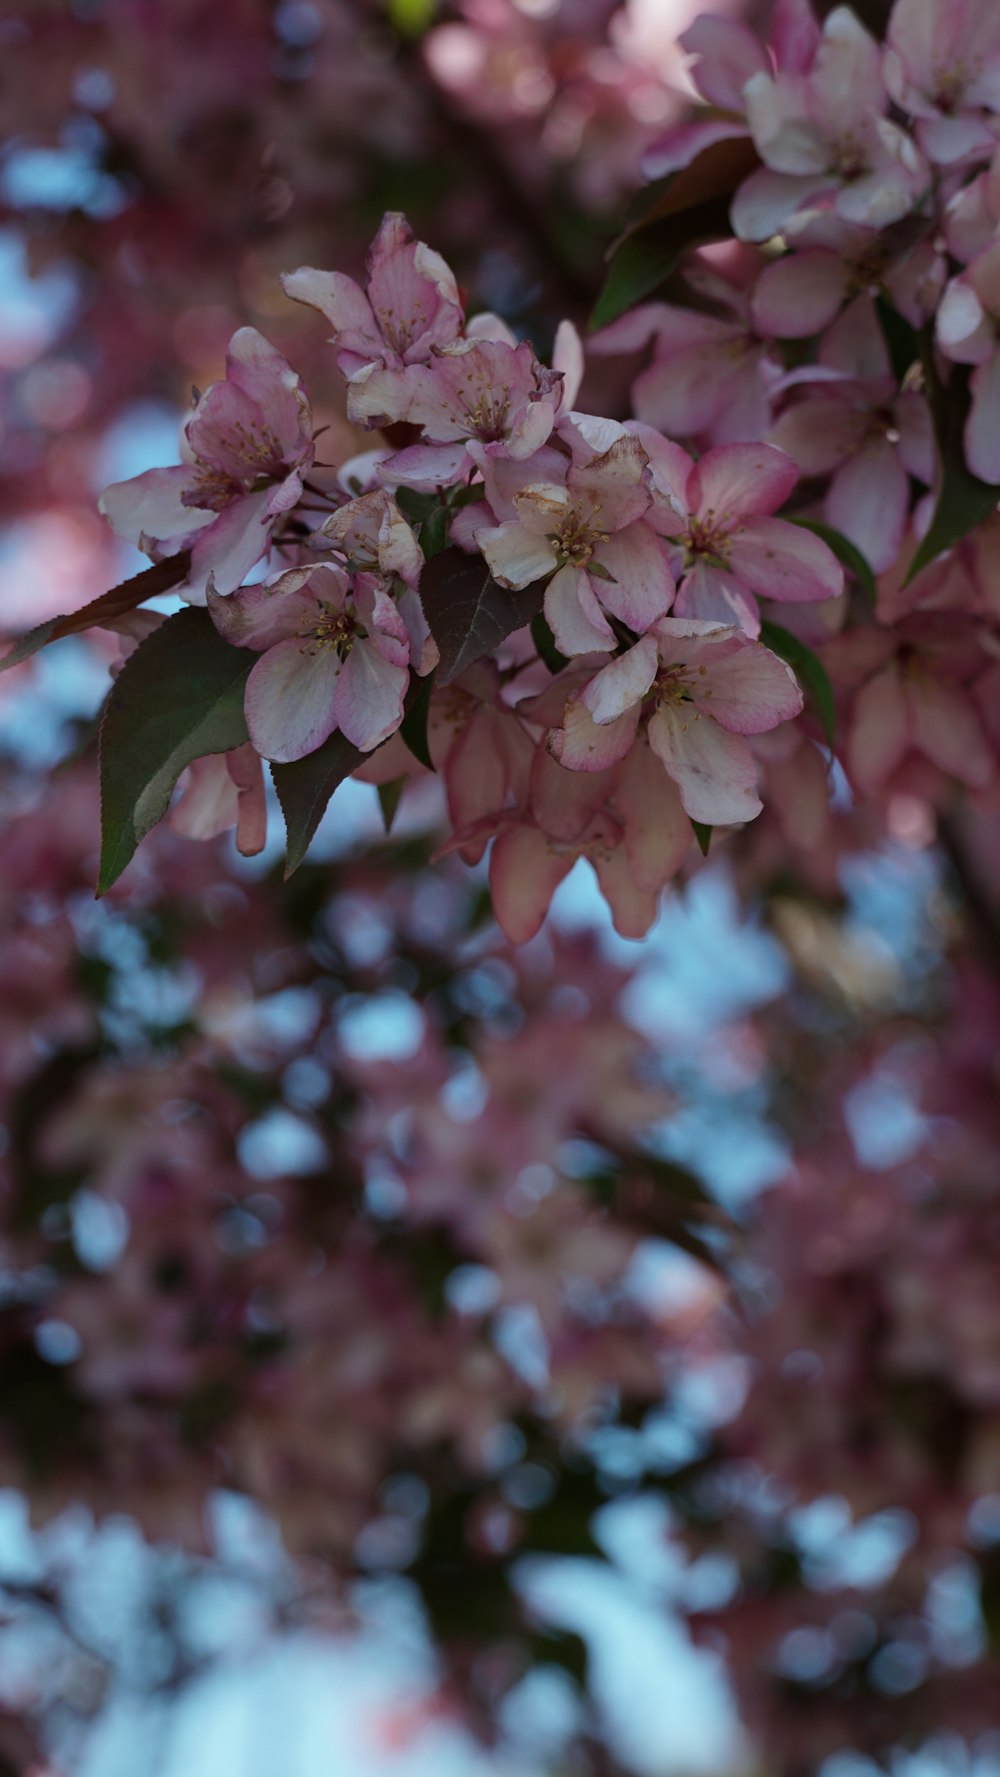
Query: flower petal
point(714, 771)
point(740, 481)
point(574, 614)
point(289, 700)
point(777, 560)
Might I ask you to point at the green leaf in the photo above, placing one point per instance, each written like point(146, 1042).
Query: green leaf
point(105, 610)
point(900, 337)
point(178, 698)
point(809, 669)
point(434, 532)
point(413, 727)
point(389, 797)
point(415, 507)
point(469, 612)
point(963, 501)
point(545, 643)
point(688, 206)
point(847, 553)
point(304, 788)
point(703, 834)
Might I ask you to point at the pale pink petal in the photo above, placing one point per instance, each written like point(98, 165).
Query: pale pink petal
point(581, 744)
point(777, 560)
point(685, 393)
point(766, 201)
point(567, 358)
point(801, 294)
point(228, 549)
point(623, 682)
point(612, 486)
point(244, 767)
point(880, 730)
point(869, 501)
point(426, 466)
point(490, 326)
point(524, 874)
point(209, 800)
point(515, 556)
point(340, 299)
point(152, 506)
point(261, 616)
point(819, 432)
point(748, 692)
point(712, 596)
point(379, 395)
point(565, 802)
point(683, 143)
point(368, 699)
point(728, 54)
point(256, 367)
point(633, 909)
point(945, 728)
point(964, 330)
point(642, 587)
point(739, 481)
point(982, 430)
point(289, 700)
point(574, 614)
point(856, 344)
point(631, 332)
point(657, 831)
point(714, 771)
point(795, 36)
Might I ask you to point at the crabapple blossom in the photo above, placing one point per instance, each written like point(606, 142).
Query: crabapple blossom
point(942, 66)
point(826, 141)
point(967, 333)
point(249, 444)
point(703, 688)
point(589, 532)
point(726, 546)
point(334, 655)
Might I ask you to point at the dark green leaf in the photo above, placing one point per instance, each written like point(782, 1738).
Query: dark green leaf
point(846, 552)
point(389, 797)
point(810, 671)
point(545, 643)
point(434, 532)
point(900, 337)
point(414, 507)
point(469, 612)
point(304, 789)
point(413, 727)
point(689, 206)
point(963, 501)
point(105, 610)
point(703, 834)
point(178, 698)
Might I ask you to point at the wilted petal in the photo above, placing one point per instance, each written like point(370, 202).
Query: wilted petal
point(714, 771)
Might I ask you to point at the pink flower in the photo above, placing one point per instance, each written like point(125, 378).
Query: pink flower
point(968, 324)
point(223, 791)
point(800, 294)
point(710, 373)
point(410, 305)
point(826, 141)
point(374, 538)
point(249, 444)
point(584, 525)
point(728, 549)
point(863, 433)
point(942, 65)
point(333, 656)
point(701, 688)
